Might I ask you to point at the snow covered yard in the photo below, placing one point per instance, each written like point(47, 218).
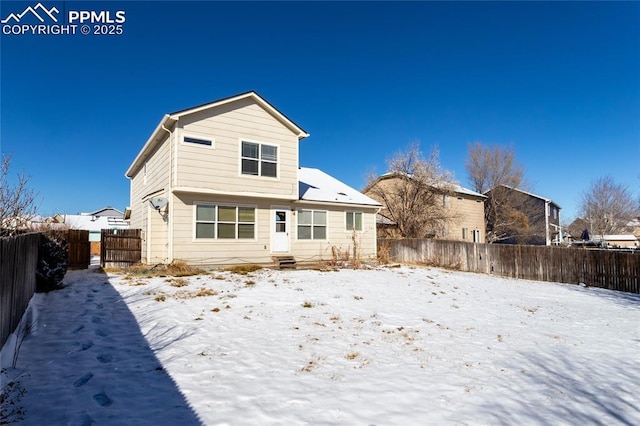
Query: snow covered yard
point(386, 346)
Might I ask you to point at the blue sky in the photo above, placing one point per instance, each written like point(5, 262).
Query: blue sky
point(560, 82)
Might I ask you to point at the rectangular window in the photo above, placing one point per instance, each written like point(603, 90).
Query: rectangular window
point(225, 222)
point(198, 141)
point(465, 231)
point(312, 225)
point(259, 159)
point(354, 221)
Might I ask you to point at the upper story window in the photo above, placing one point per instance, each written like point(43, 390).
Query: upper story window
point(354, 221)
point(259, 159)
point(198, 141)
point(312, 225)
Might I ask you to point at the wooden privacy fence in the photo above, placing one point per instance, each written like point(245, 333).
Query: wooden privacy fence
point(120, 247)
point(18, 262)
point(614, 270)
point(79, 248)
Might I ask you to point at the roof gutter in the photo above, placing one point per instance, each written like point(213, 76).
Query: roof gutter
point(153, 140)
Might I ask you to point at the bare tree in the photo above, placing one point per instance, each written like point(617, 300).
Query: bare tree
point(412, 192)
point(509, 214)
point(608, 206)
point(17, 200)
point(491, 165)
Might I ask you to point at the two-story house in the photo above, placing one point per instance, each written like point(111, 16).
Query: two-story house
point(541, 216)
point(220, 184)
point(461, 211)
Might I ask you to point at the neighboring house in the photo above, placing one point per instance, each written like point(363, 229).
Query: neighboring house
point(469, 222)
point(542, 216)
point(107, 211)
point(107, 218)
point(634, 227)
point(616, 241)
point(220, 184)
point(626, 237)
point(464, 207)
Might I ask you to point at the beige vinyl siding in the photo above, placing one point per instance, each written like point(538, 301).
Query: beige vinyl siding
point(135, 201)
point(259, 250)
point(218, 168)
point(221, 251)
point(337, 234)
point(158, 234)
point(157, 180)
point(468, 214)
point(138, 211)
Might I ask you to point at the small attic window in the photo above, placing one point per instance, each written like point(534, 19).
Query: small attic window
point(198, 141)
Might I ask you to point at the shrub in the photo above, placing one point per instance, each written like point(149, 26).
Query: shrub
point(52, 263)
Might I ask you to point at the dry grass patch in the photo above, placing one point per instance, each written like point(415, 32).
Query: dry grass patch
point(243, 269)
point(177, 282)
point(204, 292)
point(201, 292)
point(177, 268)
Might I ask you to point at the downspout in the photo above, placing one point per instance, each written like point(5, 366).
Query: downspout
point(546, 223)
point(170, 196)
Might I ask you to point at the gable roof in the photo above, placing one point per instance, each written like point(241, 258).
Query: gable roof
point(170, 119)
point(107, 211)
point(456, 188)
point(548, 200)
point(316, 185)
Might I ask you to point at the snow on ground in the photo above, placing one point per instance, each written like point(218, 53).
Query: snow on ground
point(386, 346)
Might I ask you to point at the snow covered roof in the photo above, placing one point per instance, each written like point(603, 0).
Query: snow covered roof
point(107, 211)
point(624, 237)
point(94, 223)
point(381, 220)
point(457, 188)
point(316, 185)
point(462, 190)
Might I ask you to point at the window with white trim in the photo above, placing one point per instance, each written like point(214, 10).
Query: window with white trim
point(225, 222)
point(354, 221)
point(312, 225)
point(465, 231)
point(259, 159)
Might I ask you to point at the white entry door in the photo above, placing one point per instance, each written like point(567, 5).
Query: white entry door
point(280, 230)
